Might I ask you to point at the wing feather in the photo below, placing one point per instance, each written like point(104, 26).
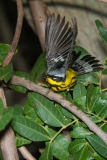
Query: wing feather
point(59, 38)
point(86, 64)
point(74, 34)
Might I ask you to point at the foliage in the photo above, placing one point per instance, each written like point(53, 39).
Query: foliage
point(6, 115)
point(44, 120)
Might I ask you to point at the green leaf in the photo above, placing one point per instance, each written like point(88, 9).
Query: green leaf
point(29, 129)
point(45, 110)
point(79, 132)
point(104, 95)
point(95, 118)
point(17, 88)
point(1, 105)
point(102, 31)
point(101, 108)
point(94, 154)
point(105, 62)
point(76, 145)
point(6, 72)
point(91, 89)
point(5, 117)
point(20, 88)
point(93, 102)
point(82, 50)
point(77, 124)
point(18, 110)
point(60, 148)
point(98, 145)
point(20, 141)
point(67, 113)
point(4, 49)
point(80, 102)
point(93, 94)
point(104, 127)
point(88, 78)
point(51, 132)
point(96, 102)
point(65, 120)
point(35, 120)
point(79, 90)
point(46, 154)
point(82, 154)
point(66, 95)
point(31, 114)
point(29, 110)
point(104, 71)
point(39, 67)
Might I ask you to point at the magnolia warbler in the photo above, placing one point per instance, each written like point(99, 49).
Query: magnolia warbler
point(63, 64)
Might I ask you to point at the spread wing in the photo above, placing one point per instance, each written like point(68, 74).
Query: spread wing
point(59, 38)
point(86, 64)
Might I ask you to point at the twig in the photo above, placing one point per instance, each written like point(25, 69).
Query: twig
point(26, 154)
point(58, 98)
point(39, 12)
point(17, 33)
point(2, 96)
point(28, 16)
point(7, 140)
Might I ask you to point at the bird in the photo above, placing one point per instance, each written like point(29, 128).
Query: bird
point(63, 63)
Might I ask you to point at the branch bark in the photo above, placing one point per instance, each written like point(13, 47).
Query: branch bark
point(58, 98)
point(39, 12)
point(17, 33)
point(7, 140)
point(26, 154)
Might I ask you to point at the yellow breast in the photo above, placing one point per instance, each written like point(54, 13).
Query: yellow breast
point(63, 85)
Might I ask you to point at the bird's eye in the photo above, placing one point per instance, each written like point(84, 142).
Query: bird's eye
point(54, 77)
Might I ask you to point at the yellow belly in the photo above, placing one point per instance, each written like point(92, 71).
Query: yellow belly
point(63, 85)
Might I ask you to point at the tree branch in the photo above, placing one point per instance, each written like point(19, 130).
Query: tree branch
point(26, 154)
point(39, 12)
point(7, 140)
point(65, 103)
point(17, 33)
